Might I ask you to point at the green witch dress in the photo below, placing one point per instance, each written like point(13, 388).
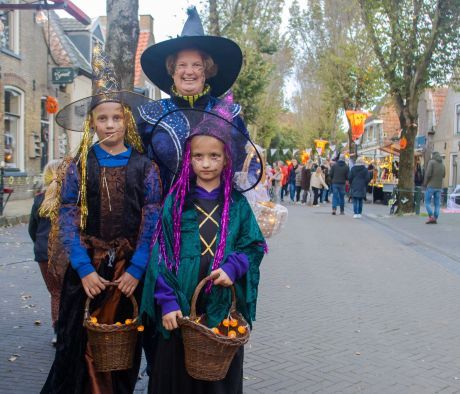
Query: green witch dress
point(244, 236)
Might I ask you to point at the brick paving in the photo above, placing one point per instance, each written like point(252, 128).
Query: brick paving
point(346, 306)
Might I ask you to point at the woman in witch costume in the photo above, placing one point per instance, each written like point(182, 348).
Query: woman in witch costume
point(110, 204)
point(194, 69)
point(196, 238)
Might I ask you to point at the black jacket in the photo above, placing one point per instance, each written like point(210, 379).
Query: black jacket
point(359, 178)
point(339, 173)
point(39, 229)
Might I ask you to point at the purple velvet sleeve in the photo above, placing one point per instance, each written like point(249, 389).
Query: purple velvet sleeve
point(165, 296)
point(236, 266)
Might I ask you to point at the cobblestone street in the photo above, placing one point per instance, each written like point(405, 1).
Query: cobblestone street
point(345, 306)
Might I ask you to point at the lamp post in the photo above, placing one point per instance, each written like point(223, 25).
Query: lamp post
point(2, 175)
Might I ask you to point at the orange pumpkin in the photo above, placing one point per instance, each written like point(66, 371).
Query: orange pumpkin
point(51, 105)
point(403, 143)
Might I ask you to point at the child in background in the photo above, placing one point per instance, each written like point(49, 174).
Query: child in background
point(197, 239)
point(39, 229)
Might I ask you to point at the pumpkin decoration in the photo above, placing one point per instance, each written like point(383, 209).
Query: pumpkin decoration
point(51, 105)
point(403, 143)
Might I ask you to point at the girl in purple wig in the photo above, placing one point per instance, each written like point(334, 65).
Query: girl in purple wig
point(207, 228)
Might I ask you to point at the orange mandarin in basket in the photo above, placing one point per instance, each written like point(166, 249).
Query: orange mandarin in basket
point(128, 322)
point(242, 329)
point(118, 323)
point(234, 323)
point(93, 319)
point(232, 334)
point(225, 322)
point(140, 328)
point(215, 330)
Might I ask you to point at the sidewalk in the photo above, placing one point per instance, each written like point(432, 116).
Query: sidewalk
point(16, 211)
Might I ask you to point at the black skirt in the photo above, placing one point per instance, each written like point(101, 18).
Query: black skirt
point(69, 373)
point(169, 375)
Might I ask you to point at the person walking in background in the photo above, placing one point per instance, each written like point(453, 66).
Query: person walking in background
point(298, 176)
point(327, 179)
point(292, 175)
point(305, 177)
point(39, 229)
point(358, 178)
point(284, 179)
point(339, 176)
point(435, 173)
point(317, 181)
point(277, 177)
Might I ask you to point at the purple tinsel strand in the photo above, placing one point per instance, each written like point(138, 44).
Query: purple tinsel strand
point(182, 187)
point(226, 177)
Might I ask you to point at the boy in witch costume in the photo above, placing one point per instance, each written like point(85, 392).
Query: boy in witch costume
point(196, 238)
point(110, 204)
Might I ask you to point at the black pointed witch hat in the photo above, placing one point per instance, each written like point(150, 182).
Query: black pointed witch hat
point(225, 53)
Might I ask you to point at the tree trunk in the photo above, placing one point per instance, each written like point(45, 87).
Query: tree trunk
point(122, 36)
point(214, 28)
point(406, 162)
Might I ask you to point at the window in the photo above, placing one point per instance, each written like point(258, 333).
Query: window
point(9, 28)
point(458, 119)
point(454, 179)
point(44, 134)
point(14, 128)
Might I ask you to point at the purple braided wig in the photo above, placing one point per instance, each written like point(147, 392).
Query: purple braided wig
point(181, 188)
point(227, 177)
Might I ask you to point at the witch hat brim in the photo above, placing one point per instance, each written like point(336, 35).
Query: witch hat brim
point(74, 115)
point(246, 159)
point(225, 53)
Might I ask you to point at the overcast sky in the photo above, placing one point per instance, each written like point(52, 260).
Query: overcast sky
point(169, 16)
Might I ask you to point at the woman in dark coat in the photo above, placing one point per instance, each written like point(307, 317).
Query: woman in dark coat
point(358, 178)
point(305, 177)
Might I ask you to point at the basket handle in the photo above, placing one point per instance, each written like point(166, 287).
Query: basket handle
point(197, 293)
point(133, 301)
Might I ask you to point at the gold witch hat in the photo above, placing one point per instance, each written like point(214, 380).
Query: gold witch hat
point(105, 88)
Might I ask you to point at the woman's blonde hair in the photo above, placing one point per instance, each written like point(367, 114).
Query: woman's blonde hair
point(210, 68)
point(51, 187)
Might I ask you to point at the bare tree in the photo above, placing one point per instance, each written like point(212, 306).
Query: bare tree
point(122, 37)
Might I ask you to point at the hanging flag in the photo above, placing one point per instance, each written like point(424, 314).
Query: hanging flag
point(344, 144)
point(332, 148)
point(273, 151)
point(321, 144)
point(294, 151)
point(305, 157)
point(357, 121)
point(285, 151)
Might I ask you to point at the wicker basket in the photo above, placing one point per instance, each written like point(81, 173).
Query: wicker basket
point(208, 355)
point(112, 346)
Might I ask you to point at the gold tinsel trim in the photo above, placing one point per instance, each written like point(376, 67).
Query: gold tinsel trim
point(83, 157)
point(132, 137)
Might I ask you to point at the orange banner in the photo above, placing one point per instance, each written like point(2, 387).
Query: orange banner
point(357, 120)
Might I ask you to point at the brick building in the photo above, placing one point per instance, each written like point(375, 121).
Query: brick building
point(28, 134)
point(29, 51)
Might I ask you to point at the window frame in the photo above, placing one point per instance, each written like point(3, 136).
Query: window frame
point(457, 119)
point(13, 23)
point(20, 142)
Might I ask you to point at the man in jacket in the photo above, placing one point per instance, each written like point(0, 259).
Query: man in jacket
point(339, 175)
point(435, 173)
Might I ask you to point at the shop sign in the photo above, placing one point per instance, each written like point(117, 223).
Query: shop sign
point(62, 75)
